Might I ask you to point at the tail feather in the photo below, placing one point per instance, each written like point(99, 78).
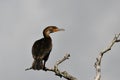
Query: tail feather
point(37, 65)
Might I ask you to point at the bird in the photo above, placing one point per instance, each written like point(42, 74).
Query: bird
point(41, 48)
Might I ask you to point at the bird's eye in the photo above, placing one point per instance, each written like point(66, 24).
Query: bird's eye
point(51, 31)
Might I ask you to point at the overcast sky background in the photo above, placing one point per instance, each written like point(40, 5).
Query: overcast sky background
point(90, 26)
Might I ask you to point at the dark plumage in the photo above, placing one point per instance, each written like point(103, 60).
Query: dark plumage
point(41, 48)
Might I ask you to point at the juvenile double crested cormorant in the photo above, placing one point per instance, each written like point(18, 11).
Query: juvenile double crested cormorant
point(41, 48)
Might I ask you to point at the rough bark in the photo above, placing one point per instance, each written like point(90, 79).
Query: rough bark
point(100, 56)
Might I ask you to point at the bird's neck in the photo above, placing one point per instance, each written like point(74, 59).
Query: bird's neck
point(48, 39)
point(46, 33)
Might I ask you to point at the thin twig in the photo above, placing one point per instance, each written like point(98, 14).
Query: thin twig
point(99, 58)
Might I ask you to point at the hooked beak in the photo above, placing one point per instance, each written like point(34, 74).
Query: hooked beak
point(56, 30)
point(61, 29)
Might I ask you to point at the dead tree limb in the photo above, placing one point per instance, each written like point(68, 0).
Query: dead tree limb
point(56, 70)
point(64, 74)
point(97, 64)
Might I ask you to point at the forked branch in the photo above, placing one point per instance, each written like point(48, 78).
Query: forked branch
point(59, 73)
point(56, 70)
point(99, 58)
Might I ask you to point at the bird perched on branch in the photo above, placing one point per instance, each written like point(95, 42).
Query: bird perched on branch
point(41, 48)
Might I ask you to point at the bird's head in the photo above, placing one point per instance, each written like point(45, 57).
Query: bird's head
point(51, 29)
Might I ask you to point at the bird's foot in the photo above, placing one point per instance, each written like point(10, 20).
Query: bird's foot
point(44, 68)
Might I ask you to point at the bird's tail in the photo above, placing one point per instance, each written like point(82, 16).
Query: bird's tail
point(37, 64)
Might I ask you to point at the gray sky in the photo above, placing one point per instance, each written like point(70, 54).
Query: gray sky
point(90, 26)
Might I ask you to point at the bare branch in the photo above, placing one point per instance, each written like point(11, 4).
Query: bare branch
point(99, 58)
point(57, 72)
point(64, 74)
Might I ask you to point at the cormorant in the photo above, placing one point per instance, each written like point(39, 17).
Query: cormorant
point(41, 48)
